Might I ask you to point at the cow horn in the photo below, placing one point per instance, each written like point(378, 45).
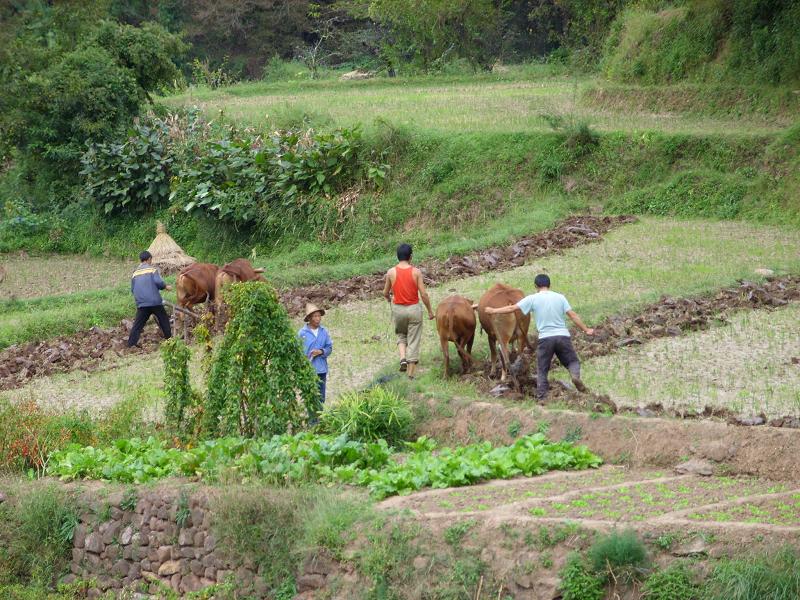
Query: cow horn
point(474, 306)
point(259, 270)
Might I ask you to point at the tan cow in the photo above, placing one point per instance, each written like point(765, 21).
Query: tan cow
point(503, 330)
point(235, 271)
point(196, 284)
point(455, 321)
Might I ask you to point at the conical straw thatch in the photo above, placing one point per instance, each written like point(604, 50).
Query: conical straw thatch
point(167, 255)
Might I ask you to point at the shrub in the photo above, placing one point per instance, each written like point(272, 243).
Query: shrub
point(260, 382)
point(133, 175)
point(28, 434)
point(377, 413)
point(673, 583)
point(36, 535)
point(621, 554)
point(578, 582)
point(775, 576)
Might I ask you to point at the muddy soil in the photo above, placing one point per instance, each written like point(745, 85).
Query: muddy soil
point(574, 231)
point(87, 349)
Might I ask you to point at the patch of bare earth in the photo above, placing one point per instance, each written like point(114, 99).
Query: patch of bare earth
point(34, 276)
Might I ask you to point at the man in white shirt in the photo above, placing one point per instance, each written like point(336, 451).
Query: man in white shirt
point(549, 309)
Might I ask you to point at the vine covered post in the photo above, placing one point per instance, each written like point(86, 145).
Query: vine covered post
point(260, 383)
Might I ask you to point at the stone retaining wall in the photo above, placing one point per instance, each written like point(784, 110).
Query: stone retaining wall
point(158, 538)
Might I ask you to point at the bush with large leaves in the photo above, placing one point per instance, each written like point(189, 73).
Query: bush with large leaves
point(133, 175)
point(260, 383)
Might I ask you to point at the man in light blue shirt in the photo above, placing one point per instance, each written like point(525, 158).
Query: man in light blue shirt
point(549, 309)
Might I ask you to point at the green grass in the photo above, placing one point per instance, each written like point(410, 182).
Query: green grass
point(745, 366)
point(511, 103)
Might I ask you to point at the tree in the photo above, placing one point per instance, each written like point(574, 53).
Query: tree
point(60, 89)
point(260, 383)
point(430, 32)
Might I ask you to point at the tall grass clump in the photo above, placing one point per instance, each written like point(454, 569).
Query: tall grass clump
point(579, 582)
point(619, 554)
point(676, 582)
point(775, 576)
point(36, 535)
point(378, 413)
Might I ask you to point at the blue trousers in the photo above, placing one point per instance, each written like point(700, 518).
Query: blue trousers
point(322, 383)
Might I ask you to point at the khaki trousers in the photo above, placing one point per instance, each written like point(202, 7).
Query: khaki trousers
point(408, 327)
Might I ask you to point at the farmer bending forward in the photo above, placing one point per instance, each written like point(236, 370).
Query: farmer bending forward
point(549, 309)
point(403, 289)
point(317, 345)
point(146, 286)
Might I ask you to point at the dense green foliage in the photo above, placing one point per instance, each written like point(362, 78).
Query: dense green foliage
point(676, 582)
point(751, 40)
point(308, 457)
point(72, 80)
point(579, 582)
point(36, 536)
point(133, 175)
point(177, 387)
point(378, 413)
point(259, 370)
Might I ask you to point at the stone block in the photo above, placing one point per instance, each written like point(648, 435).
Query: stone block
point(223, 574)
point(199, 539)
point(186, 537)
point(126, 536)
point(210, 573)
point(163, 553)
point(210, 543)
point(170, 567)
point(146, 565)
point(79, 536)
point(94, 543)
point(121, 568)
point(197, 517)
point(175, 582)
point(188, 552)
point(196, 567)
point(77, 555)
point(135, 571)
point(93, 593)
point(191, 583)
point(175, 552)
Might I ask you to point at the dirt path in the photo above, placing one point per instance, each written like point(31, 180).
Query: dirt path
point(92, 349)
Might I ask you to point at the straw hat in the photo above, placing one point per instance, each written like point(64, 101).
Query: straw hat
point(166, 253)
point(311, 308)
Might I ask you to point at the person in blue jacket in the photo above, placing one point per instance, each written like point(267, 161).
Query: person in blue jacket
point(317, 344)
point(146, 286)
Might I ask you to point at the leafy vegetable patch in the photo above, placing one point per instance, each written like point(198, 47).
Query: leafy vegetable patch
point(311, 457)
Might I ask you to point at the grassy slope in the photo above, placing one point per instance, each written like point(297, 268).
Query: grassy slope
point(455, 190)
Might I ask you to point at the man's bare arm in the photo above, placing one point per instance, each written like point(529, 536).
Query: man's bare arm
point(577, 320)
point(424, 294)
point(503, 310)
point(387, 286)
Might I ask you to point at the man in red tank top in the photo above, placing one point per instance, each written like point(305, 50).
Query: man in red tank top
point(403, 289)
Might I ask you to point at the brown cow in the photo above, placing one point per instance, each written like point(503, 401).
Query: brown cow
point(455, 321)
point(503, 329)
point(234, 272)
point(196, 284)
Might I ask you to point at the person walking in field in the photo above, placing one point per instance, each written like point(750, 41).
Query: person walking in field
point(317, 344)
point(549, 309)
point(403, 289)
point(146, 286)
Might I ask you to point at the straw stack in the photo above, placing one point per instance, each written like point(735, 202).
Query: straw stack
point(167, 255)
